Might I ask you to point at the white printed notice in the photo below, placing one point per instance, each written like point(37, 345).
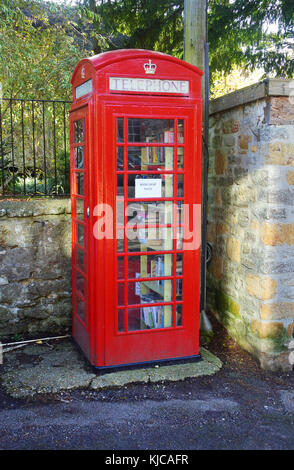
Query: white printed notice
point(147, 187)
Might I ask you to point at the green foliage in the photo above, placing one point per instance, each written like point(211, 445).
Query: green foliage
point(38, 50)
point(251, 33)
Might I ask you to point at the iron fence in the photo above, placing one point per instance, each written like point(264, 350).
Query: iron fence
point(34, 147)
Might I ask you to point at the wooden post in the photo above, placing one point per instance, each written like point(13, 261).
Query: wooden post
point(196, 53)
point(195, 35)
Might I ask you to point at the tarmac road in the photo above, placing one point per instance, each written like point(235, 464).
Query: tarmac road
point(240, 407)
point(226, 411)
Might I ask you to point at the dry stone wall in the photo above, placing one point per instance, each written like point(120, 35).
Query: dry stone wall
point(251, 219)
point(35, 274)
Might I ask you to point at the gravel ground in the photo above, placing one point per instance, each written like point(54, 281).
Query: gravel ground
point(240, 407)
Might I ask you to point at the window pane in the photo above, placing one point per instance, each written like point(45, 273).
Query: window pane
point(79, 157)
point(180, 131)
point(180, 185)
point(145, 318)
point(121, 320)
point(151, 239)
point(149, 266)
point(180, 157)
point(80, 209)
point(179, 289)
point(120, 158)
point(120, 185)
point(78, 130)
point(120, 294)
point(150, 158)
point(80, 259)
point(80, 284)
point(120, 129)
point(151, 130)
point(147, 292)
point(120, 240)
point(179, 310)
point(81, 308)
point(150, 186)
point(120, 212)
point(148, 213)
point(179, 269)
point(80, 234)
point(79, 183)
point(120, 267)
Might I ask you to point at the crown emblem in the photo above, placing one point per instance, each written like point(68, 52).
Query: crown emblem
point(149, 67)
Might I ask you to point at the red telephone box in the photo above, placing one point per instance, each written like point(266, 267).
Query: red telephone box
point(135, 133)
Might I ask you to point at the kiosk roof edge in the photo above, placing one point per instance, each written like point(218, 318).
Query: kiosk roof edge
point(106, 58)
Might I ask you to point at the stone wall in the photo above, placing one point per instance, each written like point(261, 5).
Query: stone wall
point(251, 219)
point(35, 275)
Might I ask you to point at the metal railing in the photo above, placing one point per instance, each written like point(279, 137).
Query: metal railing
point(34, 147)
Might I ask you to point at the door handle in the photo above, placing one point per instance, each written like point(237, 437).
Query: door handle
point(88, 212)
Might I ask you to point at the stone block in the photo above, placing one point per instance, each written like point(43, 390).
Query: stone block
point(262, 288)
point(231, 126)
point(277, 311)
point(290, 177)
point(216, 268)
point(267, 329)
point(221, 163)
point(280, 153)
point(277, 234)
point(233, 249)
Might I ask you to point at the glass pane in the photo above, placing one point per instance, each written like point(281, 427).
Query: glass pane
point(78, 130)
point(151, 130)
point(179, 289)
point(79, 183)
point(80, 234)
point(150, 186)
point(147, 292)
point(179, 316)
point(157, 316)
point(151, 239)
point(80, 259)
point(80, 283)
point(179, 269)
point(81, 308)
point(120, 241)
point(80, 209)
point(79, 157)
point(120, 185)
point(120, 212)
point(180, 157)
point(120, 267)
point(120, 158)
point(149, 266)
point(180, 212)
point(180, 131)
point(147, 213)
point(150, 158)
point(180, 185)
point(180, 238)
point(120, 129)
point(121, 320)
point(120, 294)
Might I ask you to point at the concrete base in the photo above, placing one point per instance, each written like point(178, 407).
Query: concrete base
point(42, 369)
